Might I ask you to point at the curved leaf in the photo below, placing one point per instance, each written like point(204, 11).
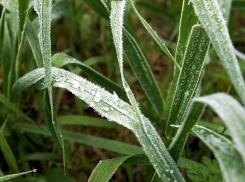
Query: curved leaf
point(190, 73)
point(233, 115)
point(111, 145)
point(7, 177)
point(187, 21)
point(230, 161)
point(8, 154)
point(213, 22)
point(106, 168)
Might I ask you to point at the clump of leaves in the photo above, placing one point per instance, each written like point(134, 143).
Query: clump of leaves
point(207, 171)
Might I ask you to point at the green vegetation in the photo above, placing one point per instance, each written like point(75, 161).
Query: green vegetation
point(122, 90)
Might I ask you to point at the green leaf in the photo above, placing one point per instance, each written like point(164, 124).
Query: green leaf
point(145, 132)
point(86, 121)
point(213, 22)
point(98, 7)
point(187, 21)
point(43, 9)
point(41, 157)
point(211, 164)
point(232, 114)
point(115, 109)
point(8, 154)
point(22, 18)
point(7, 177)
point(196, 171)
point(61, 59)
point(142, 71)
point(190, 73)
point(155, 8)
point(11, 106)
point(111, 145)
point(154, 35)
point(106, 168)
point(33, 41)
point(230, 160)
point(176, 146)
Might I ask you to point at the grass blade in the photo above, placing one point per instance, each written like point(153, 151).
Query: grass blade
point(176, 146)
point(192, 66)
point(106, 168)
point(145, 132)
point(43, 9)
point(213, 22)
point(111, 145)
point(115, 109)
point(142, 71)
point(33, 41)
point(187, 21)
point(225, 7)
point(154, 34)
point(22, 18)
point(230, 161)
point(98, 6)
point(233, 115)
point(61, 59)
point(11, 106)
point(11, 176)
point(86, 121)
point(8, 154)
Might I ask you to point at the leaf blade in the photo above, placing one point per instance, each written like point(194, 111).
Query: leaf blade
point(229, 159)
point(213, 22)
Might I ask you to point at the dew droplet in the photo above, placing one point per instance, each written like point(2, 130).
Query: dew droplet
point(127, 89)
point(53, 122)
point(171, 171)
point(34, 170)
point(81, 88)
point(75, 84)
point(62, 79)
point(84, 81)
point(97, 97)
point(115, 97)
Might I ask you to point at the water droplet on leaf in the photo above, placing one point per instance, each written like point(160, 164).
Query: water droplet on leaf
point(97, 97)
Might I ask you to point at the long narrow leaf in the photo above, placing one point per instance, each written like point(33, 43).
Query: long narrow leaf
point(230, 160)
point(145, 132)
point(43, 9)
point(142, 71)
point(22, 18)
point(233, 115)
point(111, 145)
point(61, 59)
point(176, 146)
point(187, 21)
point(8, 154)
point(213, 22)
point(154, 35)
point(86, 121)
point(7, 177)
point(11, 106)
point(105, 169)
point(193, 63)
point(140, 66)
